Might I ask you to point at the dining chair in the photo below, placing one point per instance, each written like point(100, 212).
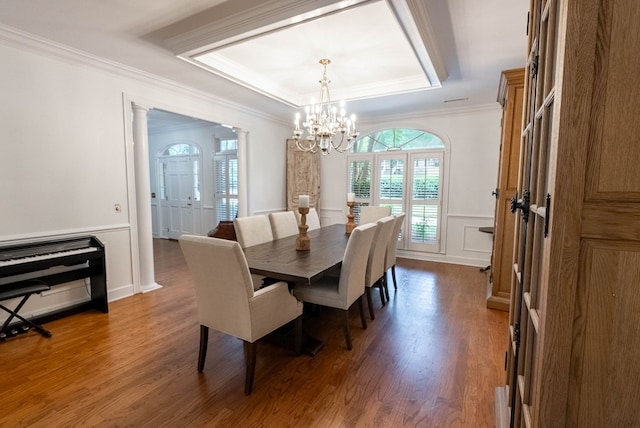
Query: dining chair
point(227, 302)
point(283, 224)
point(390, 256)
point(340, 292)
point(375, 273)
point(253, 230)
point(372, 213)
point(312, 219)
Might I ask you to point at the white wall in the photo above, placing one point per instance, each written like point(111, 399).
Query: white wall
point(66, 151)
point(473, 141)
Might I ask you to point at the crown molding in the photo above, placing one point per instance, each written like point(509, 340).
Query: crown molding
point(452, 111)
point(12, 37)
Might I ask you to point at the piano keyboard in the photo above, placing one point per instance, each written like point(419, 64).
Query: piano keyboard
point(40, 257)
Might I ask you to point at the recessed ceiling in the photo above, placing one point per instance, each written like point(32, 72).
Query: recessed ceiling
point(465, 44)
point(282, 60)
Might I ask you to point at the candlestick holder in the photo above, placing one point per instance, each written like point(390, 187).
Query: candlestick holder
point(350, 224)
point(302, 241)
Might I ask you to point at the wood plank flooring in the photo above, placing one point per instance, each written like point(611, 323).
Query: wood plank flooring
point(432, 358)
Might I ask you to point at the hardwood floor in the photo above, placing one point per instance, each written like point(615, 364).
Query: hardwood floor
point(432, 358)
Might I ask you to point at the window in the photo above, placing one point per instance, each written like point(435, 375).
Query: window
point(403, 169)
point(225, 182)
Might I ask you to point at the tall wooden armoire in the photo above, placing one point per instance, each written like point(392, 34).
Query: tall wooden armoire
point(574, 336)
point(510, 96)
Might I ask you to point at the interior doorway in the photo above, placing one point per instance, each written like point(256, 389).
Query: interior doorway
point(186, 174)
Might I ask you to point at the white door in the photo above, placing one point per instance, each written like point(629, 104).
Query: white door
point(180, 203)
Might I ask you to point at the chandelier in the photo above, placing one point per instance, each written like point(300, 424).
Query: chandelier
point(323, 122)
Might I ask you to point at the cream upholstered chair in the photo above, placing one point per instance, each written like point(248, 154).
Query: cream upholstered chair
point(312, 219)
point(227, 302)
point(372, 213)
point(341, 292)
point(253, 230)
point(375, 273)
point(283, 224)
point(390, 257)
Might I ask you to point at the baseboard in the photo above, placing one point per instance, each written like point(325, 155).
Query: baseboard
point(502, 407)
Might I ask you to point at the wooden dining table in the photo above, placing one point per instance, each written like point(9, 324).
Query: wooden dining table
point(280, 260)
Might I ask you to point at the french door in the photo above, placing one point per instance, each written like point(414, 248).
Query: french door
point(409, 182)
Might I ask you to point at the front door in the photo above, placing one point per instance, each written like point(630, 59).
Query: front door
point(180, 202)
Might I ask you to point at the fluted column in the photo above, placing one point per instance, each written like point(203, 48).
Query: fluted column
point(143, 198)
point(243, 166)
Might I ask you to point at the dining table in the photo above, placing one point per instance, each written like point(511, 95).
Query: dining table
point(279, 259)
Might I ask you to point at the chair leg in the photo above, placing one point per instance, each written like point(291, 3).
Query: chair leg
point(370, 303)
point(386, 286)
point(380, 284)
point(202, 353)
point(250, 351)
point(347, 329)
point(393, 274)
point(298, 335)
point(361, 309)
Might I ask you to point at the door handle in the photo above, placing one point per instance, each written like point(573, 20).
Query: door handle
point(495, 193)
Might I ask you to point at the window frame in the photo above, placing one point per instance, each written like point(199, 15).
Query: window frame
point(407, 202)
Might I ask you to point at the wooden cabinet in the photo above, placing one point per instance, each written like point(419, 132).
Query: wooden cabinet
point(574, 347)
point(510, 97)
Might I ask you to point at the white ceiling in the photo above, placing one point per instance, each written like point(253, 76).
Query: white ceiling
point(378, 48)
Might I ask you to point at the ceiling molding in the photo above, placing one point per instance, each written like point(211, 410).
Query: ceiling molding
point(18, 39)
point(413, 18)
point(248, 20)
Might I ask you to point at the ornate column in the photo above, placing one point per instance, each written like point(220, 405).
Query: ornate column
point(143, 198)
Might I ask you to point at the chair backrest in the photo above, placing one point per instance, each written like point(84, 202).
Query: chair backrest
point(375, 263)
point(312, 219)
point(372, 213)
point(392, 248)
point(354, 262)
point(283, 224)
point(222, 282)
point(252, 230)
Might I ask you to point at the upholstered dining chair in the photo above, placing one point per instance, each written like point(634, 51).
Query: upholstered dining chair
point(253, 230)
point(390, 256)
point(375, 273)
point(227, 302)
point(283, 224)
point(372, 213)
point(342, 291)
point(312, 219)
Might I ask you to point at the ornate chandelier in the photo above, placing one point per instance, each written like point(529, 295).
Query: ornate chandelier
point(323, 122)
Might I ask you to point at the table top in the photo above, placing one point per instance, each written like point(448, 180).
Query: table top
point(279, 258)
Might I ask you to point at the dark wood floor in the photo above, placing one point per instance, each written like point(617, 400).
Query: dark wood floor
point(432, 358)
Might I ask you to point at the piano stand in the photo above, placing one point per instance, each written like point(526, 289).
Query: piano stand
point(25, 290)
